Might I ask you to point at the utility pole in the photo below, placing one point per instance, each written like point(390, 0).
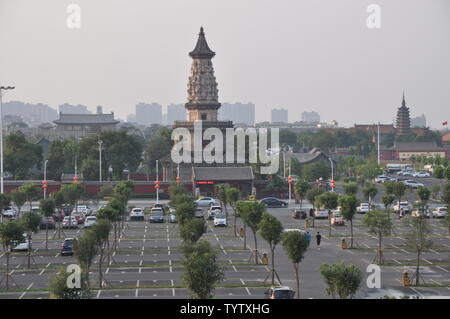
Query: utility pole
point(378, 142)
point(290, 183)
point(2, 89)
point(157, 182)
point(100, 142)
point(45, 179)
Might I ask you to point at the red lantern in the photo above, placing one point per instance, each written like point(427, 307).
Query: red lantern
point(75, 180)
point(44, 184)
point(332, 183)
point(290, 180)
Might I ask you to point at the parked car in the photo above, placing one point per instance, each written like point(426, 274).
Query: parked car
point(90, 221)
point(406, 173)
point(58, 215)
point(299, 214)
point(418, 213)
point(199, 213)
point(205, 202)
point(363, 208)
point(281, 292)
point(421, 174)
point(402, 205)
point(82, 209)
point(24, 245)
point(67, 247)
point(79, 217)
point(137, 214)
point(440, 212)
point(273, 202)
point(321, 213)
point(162, 206)
point(381, 179)
point(213, 210)
point(220, 220)
point(69, 222)
point(9, 213)
point(47, 221)
point(156, 215)
point(412, 183)
point(337, 219)
point(173, 218)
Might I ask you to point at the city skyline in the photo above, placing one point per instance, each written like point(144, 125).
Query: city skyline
point(328, 65)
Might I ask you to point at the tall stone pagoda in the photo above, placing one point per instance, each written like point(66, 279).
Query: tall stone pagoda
point(403, 119)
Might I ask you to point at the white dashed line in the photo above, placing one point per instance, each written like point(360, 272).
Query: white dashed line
point(246, 288)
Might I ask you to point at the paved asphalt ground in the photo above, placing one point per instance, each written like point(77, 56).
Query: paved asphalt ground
point(147, 263)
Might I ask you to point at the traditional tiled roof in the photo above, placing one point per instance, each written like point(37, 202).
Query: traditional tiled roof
point(416, 146)
point(86, 119)
point(202, 49)
point(223, 173)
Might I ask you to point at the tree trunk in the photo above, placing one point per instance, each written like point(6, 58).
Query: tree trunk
point(380, 259)
point(59, 227)
point(351, 233)
point(46, 235)
point(29, 252)
point(329, 223)
point(7, 270)
point(100, 261)
point(273, 264)
point(245, 236)
point(256, 248)
point(417, 267)
point(108, 252)
point(235, 220)
point(296, 266)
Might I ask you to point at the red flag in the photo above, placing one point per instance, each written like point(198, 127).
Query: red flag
point(444, 123)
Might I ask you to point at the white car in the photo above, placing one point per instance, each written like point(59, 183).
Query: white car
point(220, 220)
point(137, 213)
point(69, 222)
point(381, 179)
point(90, 221)
point(421, 174)
point(412, 183)
point(363, 208)
point(440, 212)
point(402, 205)
point(214, 210)
point(24, 245)
point(82, 209)
point(10, 213)
point(337, 219)
point(321, 213)
point(205, 202)
point(418, 213)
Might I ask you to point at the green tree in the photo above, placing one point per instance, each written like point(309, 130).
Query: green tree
point(5, 201)
point(184, 211)
point(32, 192)
point(192, 229)
point(221, 193)
point(112, 216)
point(101, 230)
point(351, 189)
point(378, 224)
point(271, 230)
point(20, 155)
point(60, 200)
point(19, 198)
point(251, 214)
point(73, 193)
point(301, 188)
point(418, 239)
point(423, 195)
point(447, 173)
point(201, 270)
point(11, 233)
point(311, 196)
point(369, 194)
point(445, 198)
point(387, 200)
point(30, 222)
point(59, 289)
point(349, 206)
point(329, 201)
point(47, 208)
point(399, 190)
point(295, 245)
point(233, 196)
point(438, 172)
point(314, 171)
point(341, 280)
point(159, 146)
point(85, 249)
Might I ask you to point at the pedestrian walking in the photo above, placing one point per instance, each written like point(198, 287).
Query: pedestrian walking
point(318, 239)
point(311, 212)
point(308, 236)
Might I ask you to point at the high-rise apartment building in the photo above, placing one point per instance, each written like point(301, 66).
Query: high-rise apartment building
point(279, 116)
point(148, 114)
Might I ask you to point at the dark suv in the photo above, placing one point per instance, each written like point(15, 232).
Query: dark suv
point(67, 247)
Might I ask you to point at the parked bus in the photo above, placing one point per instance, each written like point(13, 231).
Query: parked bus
point(392, 168)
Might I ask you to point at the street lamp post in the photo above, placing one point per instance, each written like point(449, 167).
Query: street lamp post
point(332, 172)
point(2, 89)
point(100, 142)
point(157, 180)
point(45, 178)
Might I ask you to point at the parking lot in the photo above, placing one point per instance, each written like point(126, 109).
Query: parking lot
point(147, 263)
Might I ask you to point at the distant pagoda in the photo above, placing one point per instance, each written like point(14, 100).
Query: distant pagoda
point(403, 119)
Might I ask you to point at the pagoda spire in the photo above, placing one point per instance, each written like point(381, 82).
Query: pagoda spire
point(202, 49)
point(403, 101)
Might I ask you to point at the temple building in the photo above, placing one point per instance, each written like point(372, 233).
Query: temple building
point(403, 120)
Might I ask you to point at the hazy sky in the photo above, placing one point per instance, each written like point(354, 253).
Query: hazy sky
point(297, 54)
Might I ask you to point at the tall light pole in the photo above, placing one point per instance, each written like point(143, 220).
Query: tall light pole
point(332, 171)
point(157, 180)
point(3, 90)
point(378, 143)
point(45, 178)
point(290, 183)
point(100, 142)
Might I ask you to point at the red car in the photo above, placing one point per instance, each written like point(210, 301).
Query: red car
point(79, 217)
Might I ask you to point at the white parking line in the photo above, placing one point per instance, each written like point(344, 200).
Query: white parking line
point(137, 290)
point(396, 261)
point(170, 265)
point(173, 289)
point(434, 251)
point(442, 268)
point(351, 252)
point(246, 288)
point(98, 294)
point(427, 261)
